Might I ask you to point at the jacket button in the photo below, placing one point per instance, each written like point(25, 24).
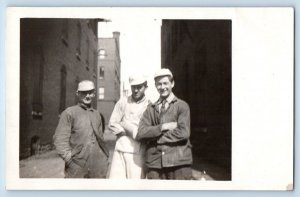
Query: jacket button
point(162, 153)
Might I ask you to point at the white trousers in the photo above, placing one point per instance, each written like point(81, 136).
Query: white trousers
point(126, 166)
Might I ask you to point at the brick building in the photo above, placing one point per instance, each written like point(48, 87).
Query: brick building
point(198, 52)
point(55, 55)
point(109, 66)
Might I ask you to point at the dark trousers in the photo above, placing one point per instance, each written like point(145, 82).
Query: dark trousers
point(96, 165)
point(173, 173)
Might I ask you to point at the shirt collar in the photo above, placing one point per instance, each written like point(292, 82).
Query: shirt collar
point(84, 107)
point(171, 98)
point(140, 101)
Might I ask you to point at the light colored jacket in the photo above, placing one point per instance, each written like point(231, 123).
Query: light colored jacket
point(124, 120)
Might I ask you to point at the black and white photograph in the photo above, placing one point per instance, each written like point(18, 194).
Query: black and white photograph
point(150, 98)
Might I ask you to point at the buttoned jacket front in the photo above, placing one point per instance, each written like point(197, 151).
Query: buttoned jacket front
point(74, 133)
point(170, 148)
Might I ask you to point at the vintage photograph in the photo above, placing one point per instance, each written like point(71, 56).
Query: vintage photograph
point(115, 96)
point(65, 64)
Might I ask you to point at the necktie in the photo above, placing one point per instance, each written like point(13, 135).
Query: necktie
point(163, 107)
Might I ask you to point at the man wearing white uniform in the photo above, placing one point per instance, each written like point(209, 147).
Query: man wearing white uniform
point(128, 157)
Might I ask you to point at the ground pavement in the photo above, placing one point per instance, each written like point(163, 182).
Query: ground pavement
point(38, 166)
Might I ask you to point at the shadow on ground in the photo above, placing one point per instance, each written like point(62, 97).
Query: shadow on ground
point(50, 165)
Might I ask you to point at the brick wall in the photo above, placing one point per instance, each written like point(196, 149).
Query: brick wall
point(48, 52)
point(110, 60)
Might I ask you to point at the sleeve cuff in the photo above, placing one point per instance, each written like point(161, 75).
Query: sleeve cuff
point(67, 157)
point(120, 134)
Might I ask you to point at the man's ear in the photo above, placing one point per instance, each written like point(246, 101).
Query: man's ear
point(77, 94)
point(173, 84)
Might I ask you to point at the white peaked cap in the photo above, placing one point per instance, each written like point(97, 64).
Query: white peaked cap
point(86, 85)
point(163, 72)
point(137, 80)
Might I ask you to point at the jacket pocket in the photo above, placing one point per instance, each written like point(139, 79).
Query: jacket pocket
point(81, 155)
point(72, 169)
point(76, 150)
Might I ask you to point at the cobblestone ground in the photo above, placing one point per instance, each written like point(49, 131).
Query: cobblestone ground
point(50, 165)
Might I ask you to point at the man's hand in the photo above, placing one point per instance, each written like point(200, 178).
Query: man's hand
point(129, 128)
point(68, 157)
point(168, 126)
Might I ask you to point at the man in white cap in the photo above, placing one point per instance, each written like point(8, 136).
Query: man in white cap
point(128, 161)
point(165, 128)
point(79, 137)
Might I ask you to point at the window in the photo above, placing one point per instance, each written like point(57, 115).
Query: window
point(95, 63)
point(101, 72)
point(101, 93)
point(63, 87)
point(102, 53)
point(38, 79)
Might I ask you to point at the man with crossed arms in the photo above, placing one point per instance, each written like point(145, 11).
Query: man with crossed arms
point(165, 128)
point(128, 157)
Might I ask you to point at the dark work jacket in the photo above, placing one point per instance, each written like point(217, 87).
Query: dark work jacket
point(76, 132)
point(170, 148)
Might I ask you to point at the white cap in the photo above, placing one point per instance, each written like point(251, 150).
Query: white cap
point(86, 85)
point(163, 72)
point(137, 80)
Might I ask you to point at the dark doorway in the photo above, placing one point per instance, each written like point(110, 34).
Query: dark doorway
point(198, 52)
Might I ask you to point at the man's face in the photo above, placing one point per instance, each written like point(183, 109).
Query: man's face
point(86, 97)
point(164, 86)
point(138, 91)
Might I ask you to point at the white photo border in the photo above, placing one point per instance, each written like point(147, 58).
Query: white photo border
point(262, 88)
